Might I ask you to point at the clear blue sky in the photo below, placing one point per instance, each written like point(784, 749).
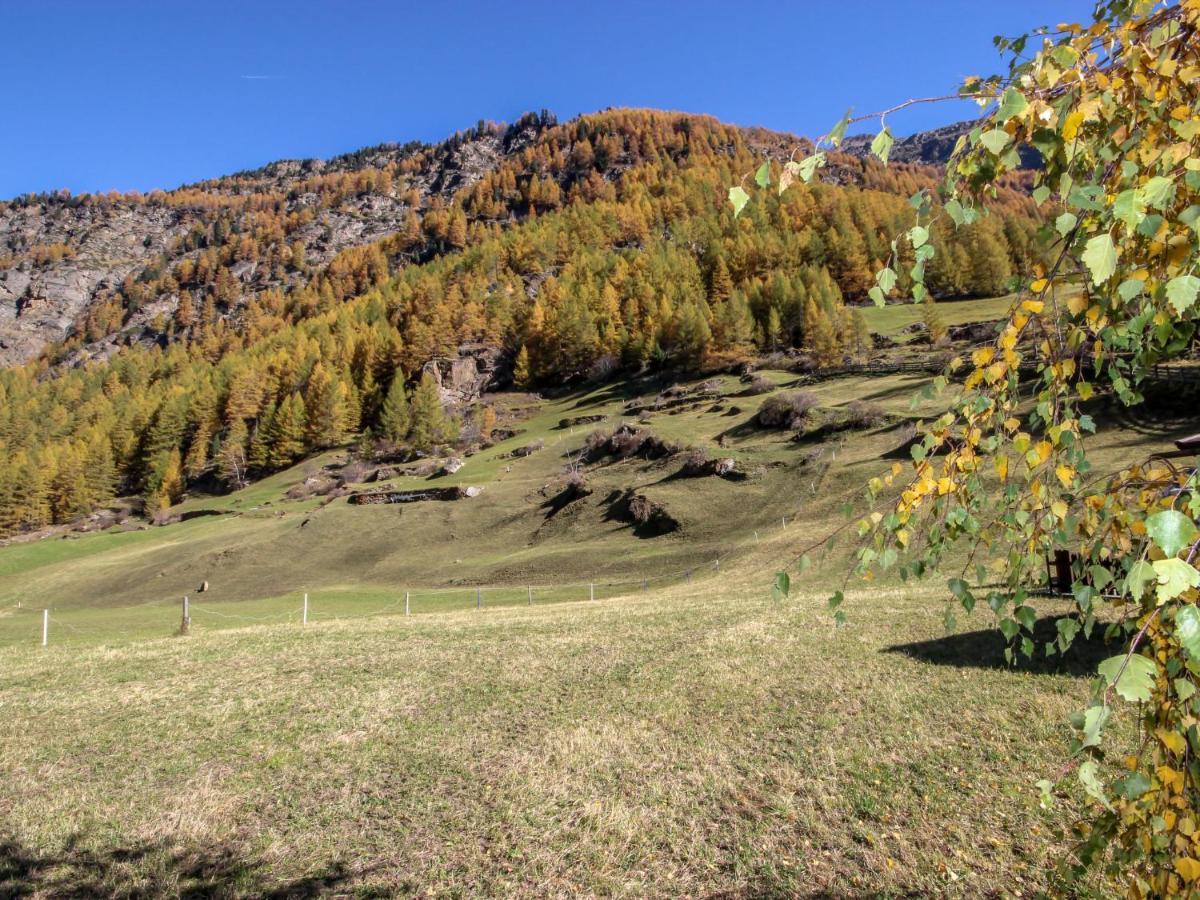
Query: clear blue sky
point(120, 94)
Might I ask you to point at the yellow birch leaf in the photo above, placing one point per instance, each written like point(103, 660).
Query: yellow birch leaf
point(1172, 740)
point(1188, 868)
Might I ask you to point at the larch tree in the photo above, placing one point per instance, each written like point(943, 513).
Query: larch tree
point(395, 418)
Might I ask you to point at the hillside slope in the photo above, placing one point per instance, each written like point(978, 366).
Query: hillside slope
point(567, 252)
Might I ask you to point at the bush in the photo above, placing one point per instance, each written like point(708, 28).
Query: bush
point(530, 448)
point(861, 414)
point(695, 462)
point(786, 410)
point(596, 443)
point(759, 384)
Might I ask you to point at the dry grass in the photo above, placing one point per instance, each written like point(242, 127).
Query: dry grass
point(703, 741)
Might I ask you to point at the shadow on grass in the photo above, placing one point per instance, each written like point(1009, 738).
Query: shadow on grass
point(985, 650)
point(152, 869)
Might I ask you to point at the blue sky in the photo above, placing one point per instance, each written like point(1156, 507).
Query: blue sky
point(139, 95)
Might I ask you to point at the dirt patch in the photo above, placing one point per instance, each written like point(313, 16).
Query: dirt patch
point(368, 498)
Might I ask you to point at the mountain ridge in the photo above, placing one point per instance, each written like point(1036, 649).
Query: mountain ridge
point(66, 262)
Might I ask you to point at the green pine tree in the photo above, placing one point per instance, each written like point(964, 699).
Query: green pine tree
point(430, 425)
point(395, 418)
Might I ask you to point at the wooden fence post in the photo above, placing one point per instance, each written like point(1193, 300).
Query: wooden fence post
point(45, 627)
point(185, 623)
point(406, 607)
point(304, 617)
point(478, 598)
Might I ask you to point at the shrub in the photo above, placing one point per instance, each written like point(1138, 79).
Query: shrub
point(786, 410)
point(862, 414)
point(759, 384)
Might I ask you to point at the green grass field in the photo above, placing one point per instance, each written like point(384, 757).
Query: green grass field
point(701, 740)
point(895, 317)
point(695, 738)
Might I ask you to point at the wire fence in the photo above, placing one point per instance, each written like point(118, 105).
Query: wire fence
point(24, 626)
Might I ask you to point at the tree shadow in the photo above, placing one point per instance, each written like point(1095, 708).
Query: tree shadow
point(984, 649)
point(152, 869)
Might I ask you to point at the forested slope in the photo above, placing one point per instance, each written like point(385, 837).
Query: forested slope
point(573, 249)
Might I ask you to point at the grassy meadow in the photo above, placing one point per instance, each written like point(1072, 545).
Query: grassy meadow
point(686, 737)
point(700, 740)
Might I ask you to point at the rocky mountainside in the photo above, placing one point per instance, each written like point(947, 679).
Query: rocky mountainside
point(928, 148)
point(82, 276)
point(74, 265)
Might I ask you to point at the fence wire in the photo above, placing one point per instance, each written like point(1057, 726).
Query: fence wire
point(22, 625)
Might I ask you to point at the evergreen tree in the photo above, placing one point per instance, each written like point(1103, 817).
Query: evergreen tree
point(430, 426)
point(287, 433)
point(258, 456)
point(721, 284)
point(324, 401)
point(522, 376)
point(395, 419)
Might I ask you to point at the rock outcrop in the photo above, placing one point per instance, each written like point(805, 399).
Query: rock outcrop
point(462, 379)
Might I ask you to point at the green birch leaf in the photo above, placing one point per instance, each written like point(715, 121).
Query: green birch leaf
point(809, 166)
point(1127, 207)
point(1175, 577)
point(882, 145)
point(1157, 192)
point(1141, 575)
point(1132, 786)
point(1187, 630)
point(839, 130)
point(1094, 720)
point(1089, 777)
point(1100, 256)
point(1136, 681)
point(886, 279)
point(1171, 530)
point(1013, 103)
point(782, 586)
point(1182, 291)
point(1130, 288)
point(995, 140)
point(918, 235)
point(1041, 194)
point(738, 198)
point(954, 210)
point(763, 176)
point(1064, 223)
